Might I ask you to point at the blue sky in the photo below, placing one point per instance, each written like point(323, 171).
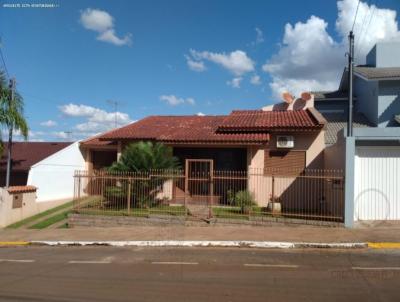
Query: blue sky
point(176, 57)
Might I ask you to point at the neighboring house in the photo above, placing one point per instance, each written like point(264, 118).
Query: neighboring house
point(42, 178)
point(54, 175)
point(372, 156)
point(24, 156)
point(334, 107)
point(241, 141)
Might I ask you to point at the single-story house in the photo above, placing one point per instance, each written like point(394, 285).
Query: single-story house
point(41, 178)
point(244, 140)
point(24, 156)
point(53, 175)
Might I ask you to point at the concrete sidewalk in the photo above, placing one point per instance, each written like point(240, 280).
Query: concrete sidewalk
point(214, 233)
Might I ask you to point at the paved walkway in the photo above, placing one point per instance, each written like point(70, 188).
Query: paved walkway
point(256, 233)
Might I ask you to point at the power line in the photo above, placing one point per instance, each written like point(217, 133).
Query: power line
point(366, 31)
point(2, 58)
point(355, 16)
point(360, 34)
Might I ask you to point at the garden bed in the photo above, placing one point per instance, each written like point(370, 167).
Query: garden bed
point(98, 206)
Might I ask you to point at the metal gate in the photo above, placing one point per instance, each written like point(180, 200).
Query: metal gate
point(376, 184)
point(199, 189)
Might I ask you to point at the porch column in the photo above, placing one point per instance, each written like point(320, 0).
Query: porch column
point(88, 161)
point(119, 150)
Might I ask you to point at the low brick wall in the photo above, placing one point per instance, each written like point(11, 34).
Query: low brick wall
point(83, 220)
point(273, 221)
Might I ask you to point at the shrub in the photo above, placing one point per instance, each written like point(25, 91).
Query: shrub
point(140, 197)
point(230, 196)
point(244, 199)
point(115, 192)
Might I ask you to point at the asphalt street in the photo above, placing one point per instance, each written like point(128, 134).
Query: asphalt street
point(197, 274)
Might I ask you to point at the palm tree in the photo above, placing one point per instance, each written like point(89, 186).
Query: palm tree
point(11, 116)
point(145, 156)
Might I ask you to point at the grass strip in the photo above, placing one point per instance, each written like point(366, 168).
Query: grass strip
point(51, 220)
point(226, 212)
point(38, 216)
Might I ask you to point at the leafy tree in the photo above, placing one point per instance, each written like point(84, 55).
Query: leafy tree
point(146, 156)
point(11, 113)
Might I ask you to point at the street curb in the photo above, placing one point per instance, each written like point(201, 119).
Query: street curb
point(14, 243)
point(384, 245)
point(207, 243)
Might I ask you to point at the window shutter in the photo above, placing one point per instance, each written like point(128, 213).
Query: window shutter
point(284, 161)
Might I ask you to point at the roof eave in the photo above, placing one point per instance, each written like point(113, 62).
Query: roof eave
point(376, 78)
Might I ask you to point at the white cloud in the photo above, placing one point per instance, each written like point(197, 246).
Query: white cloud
point(97, 120)
point(195, 65)
point(174, 100)
point(78, 110)
point(311, 59)
point(255, 80)
point(91, 126)
point(97, 20)
point(32, 135)
point(109, 36)
point(308, 53)
point(49, 123)
point(103, 23)
point(190, 101)
point(94, 114)
point(372, 25)
point(259, 36)
point(237, 62)
point(60, 134)
point(200, 114)
point(235, 82)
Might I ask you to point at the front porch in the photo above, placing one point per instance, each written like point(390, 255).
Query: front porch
point(202, 168)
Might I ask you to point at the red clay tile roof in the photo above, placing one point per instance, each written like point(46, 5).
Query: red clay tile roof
point(240, 127)
point(258, 120)
point(26, 154)
point(21, 189)
point(96, 142)
point(182, 129)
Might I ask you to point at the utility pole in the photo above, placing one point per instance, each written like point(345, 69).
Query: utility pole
point(350, 70)
point(10, 133)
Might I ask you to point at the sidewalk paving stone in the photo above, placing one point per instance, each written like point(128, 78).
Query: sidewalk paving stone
point(254, 233)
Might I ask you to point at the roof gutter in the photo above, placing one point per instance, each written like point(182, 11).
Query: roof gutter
point(376, 79)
